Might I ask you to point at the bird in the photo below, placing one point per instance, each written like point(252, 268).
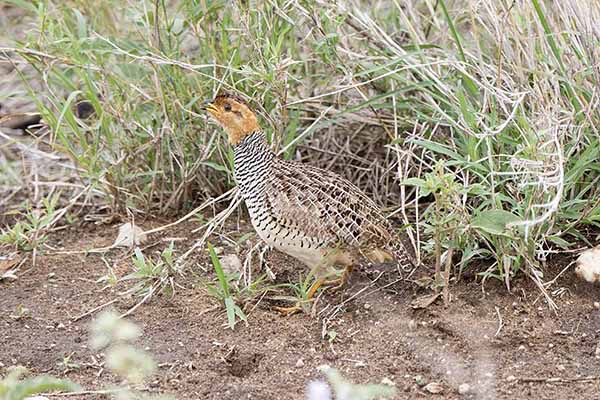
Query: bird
point(312, 214)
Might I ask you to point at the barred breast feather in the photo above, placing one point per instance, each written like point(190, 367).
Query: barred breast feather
point(308, 212)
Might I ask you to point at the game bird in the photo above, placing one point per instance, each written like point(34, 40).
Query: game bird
point(312, 214)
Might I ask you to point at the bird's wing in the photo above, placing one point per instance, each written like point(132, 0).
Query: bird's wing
point(324, 206)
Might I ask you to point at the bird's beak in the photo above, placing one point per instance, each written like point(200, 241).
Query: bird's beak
point(209, 106)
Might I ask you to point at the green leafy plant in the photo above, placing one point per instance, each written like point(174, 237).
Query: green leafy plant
point(151, 276)
point(446, 219)
point(32, 230)
point(14, 387)
point(222, 291)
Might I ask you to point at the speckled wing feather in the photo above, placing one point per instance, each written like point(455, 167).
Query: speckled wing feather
point(324, 207)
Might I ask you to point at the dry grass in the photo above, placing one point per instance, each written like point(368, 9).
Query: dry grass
point(492, 106)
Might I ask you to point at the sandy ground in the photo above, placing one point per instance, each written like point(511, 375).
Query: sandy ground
point(503, 345)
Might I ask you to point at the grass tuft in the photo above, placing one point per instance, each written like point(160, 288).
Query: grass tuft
point(223, 293)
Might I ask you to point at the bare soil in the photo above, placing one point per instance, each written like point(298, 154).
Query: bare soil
point(503, 345)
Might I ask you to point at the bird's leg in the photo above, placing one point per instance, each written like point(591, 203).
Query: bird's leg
point(341, 281)
point(309, 296)
point(285, 311)
point(314, 287)
point(312, 290)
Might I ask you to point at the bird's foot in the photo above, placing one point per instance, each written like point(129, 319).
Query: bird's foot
point(340, 282)
point(287, 311)
point(335, 284)
point(310, 294)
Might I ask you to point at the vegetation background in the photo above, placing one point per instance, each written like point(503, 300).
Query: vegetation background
point(475, 123)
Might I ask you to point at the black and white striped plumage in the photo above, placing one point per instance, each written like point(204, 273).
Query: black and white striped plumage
point(309, 213)
point(312, 214)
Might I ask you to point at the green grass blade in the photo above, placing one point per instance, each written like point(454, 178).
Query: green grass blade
point(219, 270)
point(230, 308)
point(453, 31)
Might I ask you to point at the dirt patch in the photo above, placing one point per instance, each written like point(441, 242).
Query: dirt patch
point(503, 345)
point(242, 364)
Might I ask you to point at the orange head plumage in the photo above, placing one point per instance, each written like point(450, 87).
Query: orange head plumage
point(234, 115)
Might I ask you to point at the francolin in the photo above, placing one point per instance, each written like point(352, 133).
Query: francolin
point(312, 214)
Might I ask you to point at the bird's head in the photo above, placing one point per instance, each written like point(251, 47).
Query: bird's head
point(234, 115)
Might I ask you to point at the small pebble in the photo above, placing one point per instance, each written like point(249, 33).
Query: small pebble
point(597, 305)
point(300, 363)
point(434, 388)
point(551, 345)
point(388, 382)
point(521, 348)
point(464, 388)
point(511, 378)
point(323, 368)
point(560, 367)
point(367, 306)
point(419, 380)
point(60, 326)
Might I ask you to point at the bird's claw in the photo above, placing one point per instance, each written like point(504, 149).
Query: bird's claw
point(287, 311)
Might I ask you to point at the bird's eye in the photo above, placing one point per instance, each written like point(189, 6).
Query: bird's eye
point(227, 107)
